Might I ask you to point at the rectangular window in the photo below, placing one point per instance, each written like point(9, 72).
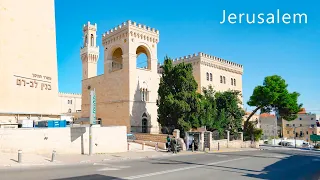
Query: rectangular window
point(300, 125)
point(221, 80)
point(234, 82)
point(288, 132)
point(224, 79)
point(207, 76)
point(293, 125)
point(287, 125)
point(210, 76)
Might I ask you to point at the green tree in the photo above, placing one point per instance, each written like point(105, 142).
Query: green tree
point(208, 111)
point(273, 96)
point(228, 106)
point(179, 103)
point(221, 110)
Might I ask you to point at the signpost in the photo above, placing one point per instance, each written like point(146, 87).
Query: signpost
point(315, 137)
point(92, 117)
point(92, 107)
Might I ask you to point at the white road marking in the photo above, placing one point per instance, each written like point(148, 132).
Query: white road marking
point(100, 164)
point(108, 169)
point(181, 169)
point(221, 155)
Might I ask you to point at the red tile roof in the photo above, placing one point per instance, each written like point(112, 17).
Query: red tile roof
point(267, 115)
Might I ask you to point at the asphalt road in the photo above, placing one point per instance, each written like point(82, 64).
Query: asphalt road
point(268, 164)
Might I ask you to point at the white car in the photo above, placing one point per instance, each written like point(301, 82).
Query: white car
point(306, 145)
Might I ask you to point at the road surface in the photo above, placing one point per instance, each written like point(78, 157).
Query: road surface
point(265, 164)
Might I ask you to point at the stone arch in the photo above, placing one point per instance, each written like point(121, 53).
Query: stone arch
point(85, 41)
point(115, 55)
point(143, 57)
point(145, 123)
point(92, 40)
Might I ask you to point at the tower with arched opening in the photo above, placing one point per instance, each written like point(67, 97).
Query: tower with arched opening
point(127, 91)
point(89, 51)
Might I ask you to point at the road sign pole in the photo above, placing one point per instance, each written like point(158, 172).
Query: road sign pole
point(92, 118)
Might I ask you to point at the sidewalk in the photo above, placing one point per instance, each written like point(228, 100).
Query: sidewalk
point(9, 160)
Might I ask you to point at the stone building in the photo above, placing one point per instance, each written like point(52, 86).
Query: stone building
point(28, 63)
point(269, 125)
point(127, 94)
point(300, 128)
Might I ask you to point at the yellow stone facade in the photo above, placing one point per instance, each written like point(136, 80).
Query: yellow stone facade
point(127, 95)
point(28, 63)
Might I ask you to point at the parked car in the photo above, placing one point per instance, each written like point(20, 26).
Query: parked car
point(306, 145)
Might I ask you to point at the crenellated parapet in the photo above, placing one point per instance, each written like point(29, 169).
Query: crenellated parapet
point(209, 60)
point(90, 26)
point(77, 95)
point(130, 29)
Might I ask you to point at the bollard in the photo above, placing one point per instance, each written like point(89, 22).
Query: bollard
point(218, 146)
point(157, 147)
point(53, 155)
point(19, 156)
point(143, 146)
point(128, 146)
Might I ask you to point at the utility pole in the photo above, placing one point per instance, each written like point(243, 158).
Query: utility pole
point(92, 118)
point(274, 132)
point(295, 137)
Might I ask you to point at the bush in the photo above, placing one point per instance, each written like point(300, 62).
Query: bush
point(317, 146)
point(257, 133)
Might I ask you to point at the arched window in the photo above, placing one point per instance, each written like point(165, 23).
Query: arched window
point(234, 82)
point(86, 41)
point(221, 80)
point(224, 79)
point(92, 40)
point(207, 76)
point(144, 94)
point(210, 76)
point(231, 81)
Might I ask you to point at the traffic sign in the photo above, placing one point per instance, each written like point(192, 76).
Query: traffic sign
point(314, 137)
point(93, 107)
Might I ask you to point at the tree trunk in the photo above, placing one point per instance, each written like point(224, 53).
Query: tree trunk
point(246, 122)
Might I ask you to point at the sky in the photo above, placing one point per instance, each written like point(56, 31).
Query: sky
point(186, 27)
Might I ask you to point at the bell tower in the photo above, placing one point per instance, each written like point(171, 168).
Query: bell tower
point(90, 51)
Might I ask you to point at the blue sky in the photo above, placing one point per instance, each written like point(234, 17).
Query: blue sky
point(186, 27)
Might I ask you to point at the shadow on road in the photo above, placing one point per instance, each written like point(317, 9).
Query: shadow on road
point(91, 177)
point(293, 166)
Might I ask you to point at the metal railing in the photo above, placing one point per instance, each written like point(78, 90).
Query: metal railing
point(116, 66)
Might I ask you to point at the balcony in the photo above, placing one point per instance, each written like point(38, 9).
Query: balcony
point(116, 66)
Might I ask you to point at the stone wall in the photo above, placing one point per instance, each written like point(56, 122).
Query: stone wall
point(73, 140)
point(233, 144)
point(152, 137)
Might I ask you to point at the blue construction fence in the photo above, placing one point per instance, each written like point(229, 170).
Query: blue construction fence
point(52, 124)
